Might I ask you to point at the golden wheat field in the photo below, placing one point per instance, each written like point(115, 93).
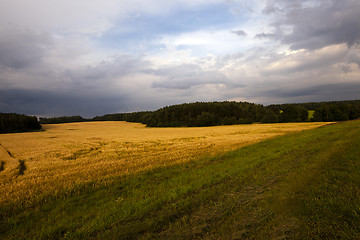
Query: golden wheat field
point(64, 155)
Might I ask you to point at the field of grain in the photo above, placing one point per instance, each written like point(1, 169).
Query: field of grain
point(65, 155)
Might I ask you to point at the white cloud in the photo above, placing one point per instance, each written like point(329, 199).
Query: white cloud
point(82, 16)
point(85, 16)
point(204, 42)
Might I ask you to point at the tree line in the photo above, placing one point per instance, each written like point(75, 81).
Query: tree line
point(12, 122)
point(206, 114)
point(200, 114)
point(64, 119)
point(323, 111)
point(228, 113)
point(139, 117)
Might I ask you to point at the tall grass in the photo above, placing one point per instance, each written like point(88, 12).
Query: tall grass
point(300, 186)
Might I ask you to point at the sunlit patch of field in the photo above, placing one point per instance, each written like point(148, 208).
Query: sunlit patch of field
point(68, 154)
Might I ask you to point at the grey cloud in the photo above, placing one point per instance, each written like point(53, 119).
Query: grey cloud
point(345, 68)
point(354, 56)
point(186, 76)
point(337, 91)
point(129, 64)
point(240, 33)
point(58, 103)
point(316, 93)
point(81, 90)
point(281, 6)
point(270, 8)
point(316, 24)
point(291, 93)
point(266, 35)
point(118, 67)
point(21, 48)
point(303, 62)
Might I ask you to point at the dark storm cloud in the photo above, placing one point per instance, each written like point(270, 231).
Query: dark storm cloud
point(337, 91)
point(315, 24)
point(187, 75)
point(21, 48)
point(87, 90)
point(58, 103)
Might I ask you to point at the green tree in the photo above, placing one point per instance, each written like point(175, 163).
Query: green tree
point(229, 120)
point(270, 117)
point(205, 119)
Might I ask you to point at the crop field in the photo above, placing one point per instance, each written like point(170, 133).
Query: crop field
point(66, 155)
point(118, 180)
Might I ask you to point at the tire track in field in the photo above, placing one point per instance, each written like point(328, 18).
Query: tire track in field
point(8, 152)
point(8, 164)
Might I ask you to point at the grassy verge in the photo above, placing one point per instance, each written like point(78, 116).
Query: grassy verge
point(303, 185)
point(311, 114)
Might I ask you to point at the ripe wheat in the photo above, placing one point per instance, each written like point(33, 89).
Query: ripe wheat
point(68, 154)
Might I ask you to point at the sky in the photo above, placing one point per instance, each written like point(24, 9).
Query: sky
point(94, 57)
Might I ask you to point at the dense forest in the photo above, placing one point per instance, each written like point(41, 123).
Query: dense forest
point(12, 122)
point(323, 111)
point(228, 113)
point(206, 114)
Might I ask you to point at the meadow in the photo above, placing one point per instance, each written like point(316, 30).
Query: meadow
point(122, 180)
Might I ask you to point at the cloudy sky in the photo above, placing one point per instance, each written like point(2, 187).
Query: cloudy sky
point(92, 57)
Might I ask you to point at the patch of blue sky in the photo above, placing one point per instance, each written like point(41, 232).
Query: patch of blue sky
point(142, 29)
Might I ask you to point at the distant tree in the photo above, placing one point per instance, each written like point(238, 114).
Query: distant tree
point(293, 113)
point(340, 116)
point(229, 121)
point(270, 117)
point(331, 112)
point(303, 114)
point(289, 114)
point(205, 114)
point(244, 121)
point(205, 119)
